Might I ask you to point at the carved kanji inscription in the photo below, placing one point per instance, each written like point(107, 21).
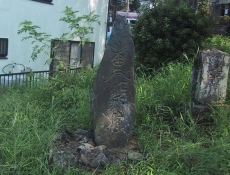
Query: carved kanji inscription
point(113, 96)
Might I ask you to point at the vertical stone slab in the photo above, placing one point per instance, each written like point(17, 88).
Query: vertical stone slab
point(209, 77)
point(113, 96)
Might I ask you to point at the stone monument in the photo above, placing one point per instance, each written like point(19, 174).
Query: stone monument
point(209, 83)
point(209, 77)
point(113, 96)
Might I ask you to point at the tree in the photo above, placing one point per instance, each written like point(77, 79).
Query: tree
point(169, 31)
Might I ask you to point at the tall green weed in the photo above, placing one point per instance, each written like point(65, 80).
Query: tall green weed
point(218, 41)
point(31, 117)
point(166, 88)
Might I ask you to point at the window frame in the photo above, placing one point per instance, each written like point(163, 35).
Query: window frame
point(5, 50)
point(83, 53)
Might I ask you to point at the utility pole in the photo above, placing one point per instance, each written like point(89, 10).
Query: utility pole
point(127, 8)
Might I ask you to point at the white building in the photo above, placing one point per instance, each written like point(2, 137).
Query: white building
point(46, 14)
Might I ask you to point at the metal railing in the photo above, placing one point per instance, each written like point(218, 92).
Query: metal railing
point(23, 78)
point(27, 78)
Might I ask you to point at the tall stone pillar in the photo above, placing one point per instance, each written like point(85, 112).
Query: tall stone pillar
point(113, 96)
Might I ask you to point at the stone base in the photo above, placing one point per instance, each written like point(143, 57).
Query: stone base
point(201, 113)
point(79, 150)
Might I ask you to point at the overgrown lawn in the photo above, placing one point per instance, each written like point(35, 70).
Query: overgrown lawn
point(171, 142)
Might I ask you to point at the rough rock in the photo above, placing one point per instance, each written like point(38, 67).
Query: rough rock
point(135, 155)
point(77, 149)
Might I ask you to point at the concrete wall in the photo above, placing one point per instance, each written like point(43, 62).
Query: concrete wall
point(47, 16)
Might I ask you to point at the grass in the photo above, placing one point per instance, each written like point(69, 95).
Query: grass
point(171, 142)
point(218, 41)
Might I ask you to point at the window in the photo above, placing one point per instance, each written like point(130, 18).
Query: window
point(71, 54)
point(3, 47)
point(44, 1)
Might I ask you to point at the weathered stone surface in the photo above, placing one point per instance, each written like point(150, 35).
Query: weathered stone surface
point(209, 77)
point(113, 95)
point(77, 149)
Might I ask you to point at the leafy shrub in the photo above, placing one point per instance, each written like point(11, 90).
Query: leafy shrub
point(165, 32)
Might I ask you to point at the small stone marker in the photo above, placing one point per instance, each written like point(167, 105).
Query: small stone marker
point(113, 97)
point(209, 83)
point(209, 77)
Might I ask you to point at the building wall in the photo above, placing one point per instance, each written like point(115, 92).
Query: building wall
point(47, 16)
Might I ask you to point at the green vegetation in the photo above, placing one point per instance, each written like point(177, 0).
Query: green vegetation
point(168, 31)
point(170, 140)
point(218, 41)
point(31, 117)
point(80, 27)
